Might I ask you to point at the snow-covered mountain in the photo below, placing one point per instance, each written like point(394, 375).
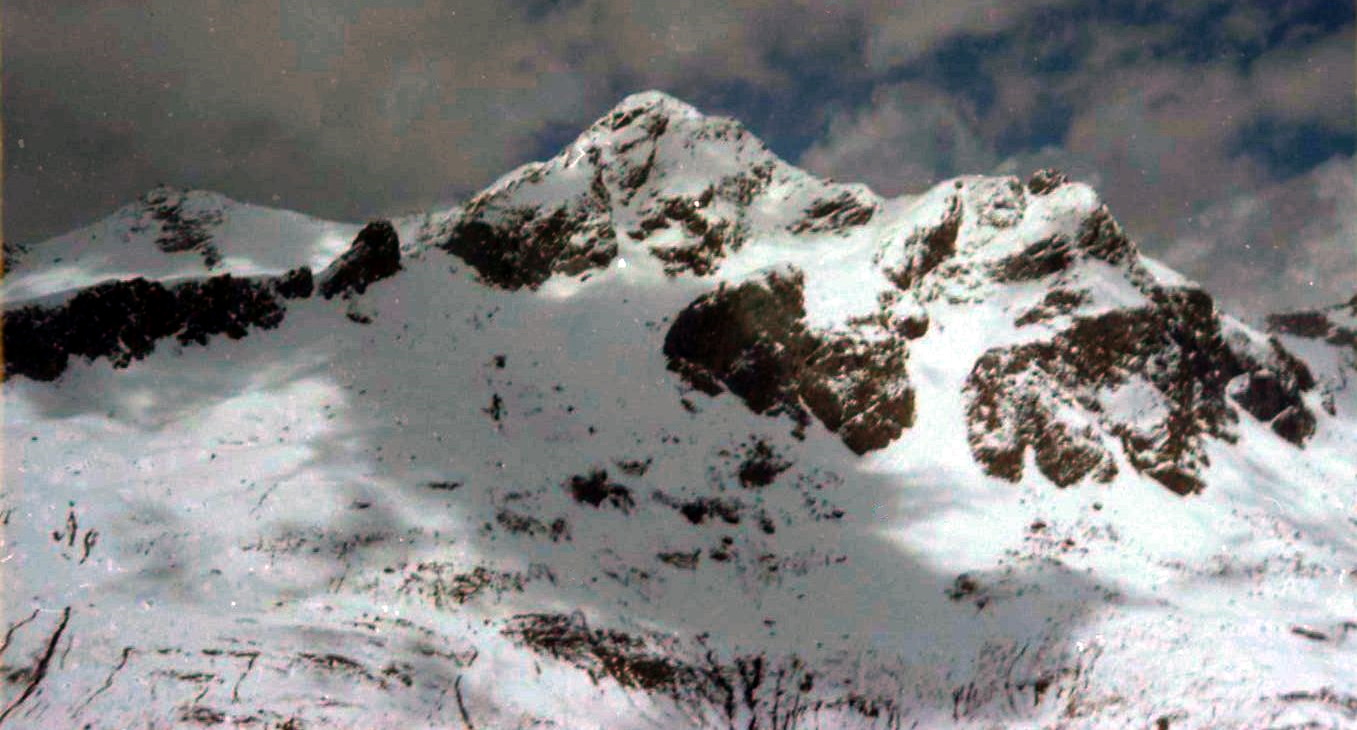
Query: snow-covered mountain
point(665, 432)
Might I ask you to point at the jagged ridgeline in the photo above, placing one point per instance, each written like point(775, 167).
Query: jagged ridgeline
point(663, 431)
point(656, 179)
point(121, 321)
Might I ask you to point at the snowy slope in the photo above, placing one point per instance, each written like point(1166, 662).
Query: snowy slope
point(664, 432)
point(170, 234)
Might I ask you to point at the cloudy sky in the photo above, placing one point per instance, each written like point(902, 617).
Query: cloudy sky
point(1221, 133)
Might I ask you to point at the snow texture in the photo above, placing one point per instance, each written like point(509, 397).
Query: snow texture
point(477, 491)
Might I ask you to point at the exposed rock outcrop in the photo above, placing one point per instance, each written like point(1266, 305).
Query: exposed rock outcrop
point(1336, 325)
point(924, 250)
point(835, 214)
point(374, 255)
point(512, 246)
point(753, 339)
point(179, 224)
point(123, 320)
point(1045, 180)
point(1057, 397)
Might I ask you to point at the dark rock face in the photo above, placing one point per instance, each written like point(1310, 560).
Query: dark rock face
point(10, 255)
point(1176, 346)
point(735, 692)
point(1041, 259)
point(924, 250)
point(1295, 424)
point(117, 320)
point(1046, 180)
point(225, 305)
point(753, 340)
point(296, 284)
point(123, 320)
point(374, 255)
point(1101, 237)
point(1310, 324)
point(180, 229)
point(1263, 393)
point(632, 174)
point(512, 247)
point(1055, 303)
point(834, 214)
point(1315, 324)
point(708, 237)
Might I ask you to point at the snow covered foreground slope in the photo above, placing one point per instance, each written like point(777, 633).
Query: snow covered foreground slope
point(664, 432)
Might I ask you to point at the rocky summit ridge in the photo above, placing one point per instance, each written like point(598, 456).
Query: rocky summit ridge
point(656, 177)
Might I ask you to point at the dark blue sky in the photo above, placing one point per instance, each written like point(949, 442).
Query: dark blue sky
point(1222, 133)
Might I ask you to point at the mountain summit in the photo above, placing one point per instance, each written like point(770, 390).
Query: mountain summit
point(664, 431)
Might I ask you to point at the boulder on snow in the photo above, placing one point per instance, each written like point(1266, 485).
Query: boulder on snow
point(374, 255)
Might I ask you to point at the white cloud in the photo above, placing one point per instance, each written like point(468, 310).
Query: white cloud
point(907, 138)
point(1283, 245)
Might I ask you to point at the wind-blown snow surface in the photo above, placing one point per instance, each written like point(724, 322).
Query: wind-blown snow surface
point(399, 518)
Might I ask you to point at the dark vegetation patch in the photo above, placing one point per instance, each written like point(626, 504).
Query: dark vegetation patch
point(752, 339)
point(625, 658)
point(1176, 345)
point(445, 586)
point(594, 489)
point(521, 524)
point(1345, 703)
point(698, 511)
point(374, 255)
point(634, 467)
point(761, 465)
point(757, 691)
point(122, 320)
point(838, 213)
point(681, 560)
